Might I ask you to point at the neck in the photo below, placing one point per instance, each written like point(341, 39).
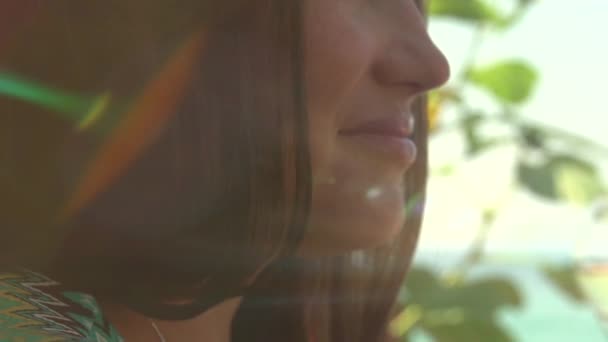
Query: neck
point(214, 325)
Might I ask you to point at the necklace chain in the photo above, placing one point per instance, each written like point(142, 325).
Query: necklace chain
point(160, 335)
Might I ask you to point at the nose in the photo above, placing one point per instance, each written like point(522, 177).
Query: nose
point(410, 58)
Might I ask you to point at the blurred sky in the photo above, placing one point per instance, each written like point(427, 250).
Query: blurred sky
point(565, 40)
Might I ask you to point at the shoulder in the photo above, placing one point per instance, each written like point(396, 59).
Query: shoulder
point(36, 308)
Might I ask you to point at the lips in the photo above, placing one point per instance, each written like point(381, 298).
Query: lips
point(386, 139)
point(391, 127)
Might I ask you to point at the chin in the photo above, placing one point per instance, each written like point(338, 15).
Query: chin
point(341, 223)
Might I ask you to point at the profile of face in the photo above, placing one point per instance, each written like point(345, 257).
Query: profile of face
point(366, 62)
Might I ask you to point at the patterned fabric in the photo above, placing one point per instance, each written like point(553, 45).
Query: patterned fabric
point(34, 308)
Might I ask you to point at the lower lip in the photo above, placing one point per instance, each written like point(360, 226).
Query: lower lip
point(396, 149)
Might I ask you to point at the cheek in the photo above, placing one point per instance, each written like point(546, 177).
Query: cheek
point(338, 54)
point(351, 209)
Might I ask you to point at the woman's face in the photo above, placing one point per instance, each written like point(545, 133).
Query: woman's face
point(366, 61)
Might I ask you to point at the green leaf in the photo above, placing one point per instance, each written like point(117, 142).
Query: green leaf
point(538, 179)
point(511, 82)
point(477, 11)
point(532, 137)
point(470, 124)
point(576, 180)
point(493, 293)
point(419, 281)
point(593, 280)
point(478, 298)
point(471, 128)
point(562, 177)
point(483, 330)
point(457, 311)
point(563, 277)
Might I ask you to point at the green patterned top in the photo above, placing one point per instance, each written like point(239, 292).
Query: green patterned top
point(34, 308)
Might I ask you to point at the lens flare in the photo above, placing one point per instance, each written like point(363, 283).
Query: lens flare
point(69, 105)
point(98, 108)
point(142, 122)
point(374, 192)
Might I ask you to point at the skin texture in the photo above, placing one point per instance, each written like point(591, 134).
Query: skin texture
point(365, 59)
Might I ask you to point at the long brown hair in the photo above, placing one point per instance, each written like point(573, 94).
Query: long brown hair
point(191, 202)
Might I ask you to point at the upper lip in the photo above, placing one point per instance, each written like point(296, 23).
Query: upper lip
point(396, 126)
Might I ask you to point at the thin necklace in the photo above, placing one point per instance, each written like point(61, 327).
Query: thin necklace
point(160, 335)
